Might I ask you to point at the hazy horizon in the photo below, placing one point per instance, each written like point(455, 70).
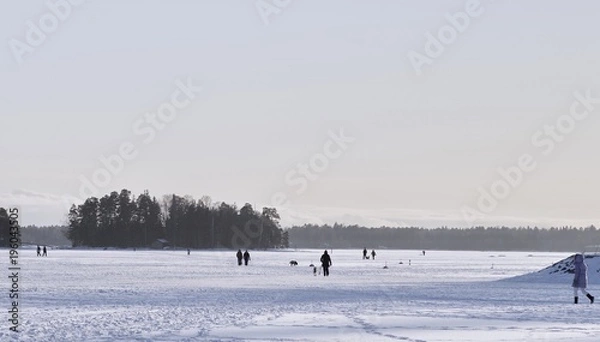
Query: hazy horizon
point(388, 113)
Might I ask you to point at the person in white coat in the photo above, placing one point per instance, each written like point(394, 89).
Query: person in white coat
point(580, 279)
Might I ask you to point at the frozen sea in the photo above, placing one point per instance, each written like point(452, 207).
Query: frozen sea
point(146, 295)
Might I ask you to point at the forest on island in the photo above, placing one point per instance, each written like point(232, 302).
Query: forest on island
point(121, 220)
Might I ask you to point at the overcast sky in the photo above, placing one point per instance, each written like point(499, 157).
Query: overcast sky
point(399, 117)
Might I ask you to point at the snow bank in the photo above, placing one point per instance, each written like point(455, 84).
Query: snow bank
point(562, 272)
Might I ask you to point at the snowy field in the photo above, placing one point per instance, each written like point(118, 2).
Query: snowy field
point(96, 295)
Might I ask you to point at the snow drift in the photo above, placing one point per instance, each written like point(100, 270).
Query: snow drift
point(562, 272)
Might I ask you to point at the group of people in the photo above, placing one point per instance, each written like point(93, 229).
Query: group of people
point(41, 252)
point(373, 254)
point(245, 256)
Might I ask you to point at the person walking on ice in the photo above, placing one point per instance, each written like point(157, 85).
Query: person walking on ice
point(239, 257)
point(325, 262)
point(364, 253)
point(39, 251)
point(373, 254)
point(246, 257)
point(44, 252)
point(580, 279)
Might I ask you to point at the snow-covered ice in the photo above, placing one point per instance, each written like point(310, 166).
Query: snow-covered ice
point(122, 295)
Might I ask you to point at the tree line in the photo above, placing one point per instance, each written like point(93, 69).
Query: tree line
point(444, 238)
point(46, 235)
point(121, 220)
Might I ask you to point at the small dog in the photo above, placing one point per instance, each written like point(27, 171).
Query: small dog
point(293, 263)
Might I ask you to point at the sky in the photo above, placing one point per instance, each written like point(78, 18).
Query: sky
point(396, 113)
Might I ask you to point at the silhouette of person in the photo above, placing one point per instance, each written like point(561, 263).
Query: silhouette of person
point(239, 257)
point(45, 253)
point(246, 257)
point(580, 279)
point(373, 254)
point(423, 253)
point(325, 262)
point(364, 253)
point(39, 251)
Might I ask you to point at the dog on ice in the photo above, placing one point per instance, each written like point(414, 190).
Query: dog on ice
point(293, 263)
